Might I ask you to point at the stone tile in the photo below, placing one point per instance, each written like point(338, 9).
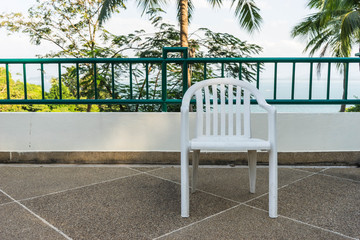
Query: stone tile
point(4, 198)
point(322, 201)
point(17, 223)
point(247, 223)
point(233, 183)
point(348, 173)
point(137, 207)
point(25, 182)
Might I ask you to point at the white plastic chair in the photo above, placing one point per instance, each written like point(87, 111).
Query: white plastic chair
point(223, 124)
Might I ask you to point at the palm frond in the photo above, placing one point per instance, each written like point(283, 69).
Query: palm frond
point(108, 7)
point(248, 14)
point(215, 3)
point(350, 24)
point(145, 5)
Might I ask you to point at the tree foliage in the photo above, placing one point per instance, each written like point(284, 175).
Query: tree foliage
point(207, 44)
point(73, 26)
point(246, 11)
point(334, 27)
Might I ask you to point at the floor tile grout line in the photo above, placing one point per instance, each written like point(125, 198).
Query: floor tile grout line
point(317, 173)
point(286, 185)
point(215, 195)
point(249, 200)
point(152, 175)
point(304, 223)
point(7, 203)
point(304, 170)
point(88, 185)
point(341, 178)
point(208, 217)
point(37, 216)
point(147, 171)
point(228, 199)
point(264, 194)
point(322, 172)
point(79, 187)
point(298, 180)
point(242, 203)
point(314, 226)
point(196, 222)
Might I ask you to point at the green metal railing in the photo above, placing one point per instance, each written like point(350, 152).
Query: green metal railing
point(164, 62)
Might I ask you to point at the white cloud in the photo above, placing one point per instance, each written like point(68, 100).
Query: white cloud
point(120, 25)
point(19, 46)
point(283, 48)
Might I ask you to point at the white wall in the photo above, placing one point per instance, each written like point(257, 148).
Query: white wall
point(161, 131)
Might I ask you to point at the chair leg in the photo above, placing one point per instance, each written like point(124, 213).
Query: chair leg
point(185, 201)
point(273, 184)
point(195, 165)
point(252, 159)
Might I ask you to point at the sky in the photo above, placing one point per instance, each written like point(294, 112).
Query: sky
point(279, 16)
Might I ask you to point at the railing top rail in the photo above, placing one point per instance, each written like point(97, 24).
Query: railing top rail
point(180, 60)
point(80, 60)
point(277, 59)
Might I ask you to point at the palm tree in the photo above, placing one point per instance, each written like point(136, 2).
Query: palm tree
point(335, 27)
point(245, 11)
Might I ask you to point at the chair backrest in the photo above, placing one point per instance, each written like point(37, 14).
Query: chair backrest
point(223, 106)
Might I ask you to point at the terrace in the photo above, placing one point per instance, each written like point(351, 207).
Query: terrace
point(318, 153)
point(143, 202)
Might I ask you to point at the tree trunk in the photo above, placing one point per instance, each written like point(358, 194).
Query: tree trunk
point(184, 23)
point(184, 29)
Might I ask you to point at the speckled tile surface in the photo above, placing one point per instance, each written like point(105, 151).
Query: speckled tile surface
point(17, 223)
point(25, 182)
point(233, 183)
point(139, 207)
point(143, 202)
point(323, 201)
point(246, 223)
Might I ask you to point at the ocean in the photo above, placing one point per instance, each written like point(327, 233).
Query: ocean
point(319, 88)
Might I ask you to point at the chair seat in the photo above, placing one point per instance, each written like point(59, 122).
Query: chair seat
point(230, 143)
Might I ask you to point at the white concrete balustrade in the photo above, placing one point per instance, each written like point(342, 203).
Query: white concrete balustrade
point(160, 132)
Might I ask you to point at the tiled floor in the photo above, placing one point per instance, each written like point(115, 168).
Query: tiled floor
point(143, 202)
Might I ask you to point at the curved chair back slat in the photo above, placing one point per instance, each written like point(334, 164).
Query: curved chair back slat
point(223, 107)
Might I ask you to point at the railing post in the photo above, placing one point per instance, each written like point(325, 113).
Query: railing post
point(60, 85)
point(166, 50)
point(258, 75)
point(25, 84)
point(7, 80)
point(42, 81)
point(164, 82)
point(293, 82)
